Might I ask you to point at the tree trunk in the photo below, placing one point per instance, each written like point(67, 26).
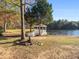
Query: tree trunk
point(5, 18)
point(39, 23)
point(39, 30)
point(39, 26)
point(22, 20)
point(29, 41)
point(5, 25)
point(30, 28)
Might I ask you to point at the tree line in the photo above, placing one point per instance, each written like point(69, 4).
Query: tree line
point(63, 24)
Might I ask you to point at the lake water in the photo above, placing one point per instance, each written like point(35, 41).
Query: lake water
point(64, 32)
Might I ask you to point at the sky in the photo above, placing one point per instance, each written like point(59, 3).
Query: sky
point(65, 9)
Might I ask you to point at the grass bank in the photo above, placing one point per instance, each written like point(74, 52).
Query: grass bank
point(44, 47)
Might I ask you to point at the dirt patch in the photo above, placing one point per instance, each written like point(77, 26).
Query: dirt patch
point(57, 52)
point(60, 53)
point(15, 53)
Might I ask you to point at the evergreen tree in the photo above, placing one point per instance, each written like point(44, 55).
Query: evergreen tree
point(43, 12)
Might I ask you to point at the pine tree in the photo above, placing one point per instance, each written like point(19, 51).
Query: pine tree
point(43, 11)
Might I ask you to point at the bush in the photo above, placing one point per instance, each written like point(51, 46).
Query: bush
point(1, 30)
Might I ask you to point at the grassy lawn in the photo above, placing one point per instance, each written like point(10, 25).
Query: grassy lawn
point(14, 32)
point(44, 47)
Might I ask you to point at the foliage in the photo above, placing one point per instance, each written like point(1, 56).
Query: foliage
point(10, 5)
point(64, 24)
point(43, 11)
point(8, 10)
point(29, 17)
point(12, 19)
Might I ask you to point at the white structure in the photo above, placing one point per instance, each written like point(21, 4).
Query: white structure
point(36, 32)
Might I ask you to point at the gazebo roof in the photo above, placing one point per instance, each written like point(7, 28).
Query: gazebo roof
point(41, 25)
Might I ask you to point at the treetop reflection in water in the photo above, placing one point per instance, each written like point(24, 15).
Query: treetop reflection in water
point(64, 32)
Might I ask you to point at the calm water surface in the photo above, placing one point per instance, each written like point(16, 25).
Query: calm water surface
point(64, 32)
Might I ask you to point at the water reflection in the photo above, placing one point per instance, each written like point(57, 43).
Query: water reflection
point(64, 32)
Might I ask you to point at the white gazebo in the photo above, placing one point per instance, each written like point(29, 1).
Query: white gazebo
point(42, 29)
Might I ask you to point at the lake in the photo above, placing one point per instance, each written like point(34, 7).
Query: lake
point(64, 32)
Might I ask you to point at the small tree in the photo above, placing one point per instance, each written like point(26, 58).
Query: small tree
point(29, 17)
